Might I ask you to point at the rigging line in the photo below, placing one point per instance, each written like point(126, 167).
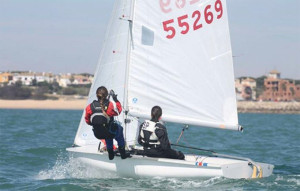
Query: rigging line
point(179, 136)
point(190, 148)
point(188, 144)
point(184, 141)
point(182, 131)
point(193, 148)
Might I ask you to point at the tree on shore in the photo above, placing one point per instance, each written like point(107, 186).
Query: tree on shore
point(260, 87)
point(15, 92)
point(34, 82)
point(40, 90)
point(18, 83)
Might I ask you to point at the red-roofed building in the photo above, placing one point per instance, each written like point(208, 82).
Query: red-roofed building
point(277, 89)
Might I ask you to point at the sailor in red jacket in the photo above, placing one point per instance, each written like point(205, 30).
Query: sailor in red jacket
point(100, 114)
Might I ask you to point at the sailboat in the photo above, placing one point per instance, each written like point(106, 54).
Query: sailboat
point(175, 54)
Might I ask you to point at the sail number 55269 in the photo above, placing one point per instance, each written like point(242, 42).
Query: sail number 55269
point(196, 15)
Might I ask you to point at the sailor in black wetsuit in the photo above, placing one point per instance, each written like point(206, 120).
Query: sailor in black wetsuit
point(153, 137)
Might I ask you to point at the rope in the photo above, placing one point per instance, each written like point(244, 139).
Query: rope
point(194, 148)
point(180, 136)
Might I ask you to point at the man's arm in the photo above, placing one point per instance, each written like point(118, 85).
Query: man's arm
point(110, 110)
point(88, 113)
point(162, 135)
point(139, 137)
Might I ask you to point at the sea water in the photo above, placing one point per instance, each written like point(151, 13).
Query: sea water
point(33, 154)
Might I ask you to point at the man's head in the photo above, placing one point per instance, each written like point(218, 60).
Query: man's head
point(101, 93)
point(156, 113)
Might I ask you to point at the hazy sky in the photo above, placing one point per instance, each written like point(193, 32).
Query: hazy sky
point(62, 36)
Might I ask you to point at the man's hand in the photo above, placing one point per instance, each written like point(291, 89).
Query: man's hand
point(114, 96)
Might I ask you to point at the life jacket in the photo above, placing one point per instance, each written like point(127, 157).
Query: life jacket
point(148, 136)
point(98, 118)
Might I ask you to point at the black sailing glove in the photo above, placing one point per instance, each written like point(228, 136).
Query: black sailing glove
point(114, 96)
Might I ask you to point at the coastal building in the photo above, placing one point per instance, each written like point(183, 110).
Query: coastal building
point(44, 77)
point(33, 78)
point(5, 77)
point(277, 89)
point(64, 80)
point(24, 77)
point(274, 74)
point(27, 78)
point(82, 80)
point(245, 89)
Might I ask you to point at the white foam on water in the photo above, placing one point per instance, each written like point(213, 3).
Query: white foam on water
point(279, 178)
point(178, 183)
point(294, 179)
point(69, 167)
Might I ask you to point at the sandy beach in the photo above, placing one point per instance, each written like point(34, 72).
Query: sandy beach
point(79, 104)
point(74, 104)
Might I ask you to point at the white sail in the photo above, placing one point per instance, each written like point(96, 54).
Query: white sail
point(188, 73)
point(182, 61)
point(111, 69)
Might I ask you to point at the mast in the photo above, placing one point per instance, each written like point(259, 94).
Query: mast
point(129, 44)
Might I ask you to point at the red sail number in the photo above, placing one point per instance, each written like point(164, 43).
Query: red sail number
point(219, 8)
point(197, 14)
point(165, 6)
point(209, 17)
point(183, 20)
point(169, 28)
point(182, 23)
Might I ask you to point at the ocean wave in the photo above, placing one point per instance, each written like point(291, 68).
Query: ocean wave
point(67, 167)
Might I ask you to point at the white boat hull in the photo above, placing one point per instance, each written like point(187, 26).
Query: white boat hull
point(192, 166)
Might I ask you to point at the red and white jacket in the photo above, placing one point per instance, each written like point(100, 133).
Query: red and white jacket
point(110, 111)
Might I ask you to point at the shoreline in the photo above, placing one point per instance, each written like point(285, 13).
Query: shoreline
point(268, 107)
point(80, 104)
point(60, 104)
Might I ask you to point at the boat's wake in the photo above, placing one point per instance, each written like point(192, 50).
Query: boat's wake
point(67, 167)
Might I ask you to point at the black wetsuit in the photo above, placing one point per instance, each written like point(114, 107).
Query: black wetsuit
point(162, 150)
